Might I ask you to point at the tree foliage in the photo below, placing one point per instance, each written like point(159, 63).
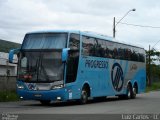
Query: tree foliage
point(154, 65)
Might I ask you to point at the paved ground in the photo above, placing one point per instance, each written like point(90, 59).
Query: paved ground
point(144, 103)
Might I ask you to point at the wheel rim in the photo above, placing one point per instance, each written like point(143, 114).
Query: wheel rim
point(129, 92)
point(134, 91)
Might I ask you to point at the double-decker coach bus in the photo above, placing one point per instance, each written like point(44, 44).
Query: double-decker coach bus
point(74, 65)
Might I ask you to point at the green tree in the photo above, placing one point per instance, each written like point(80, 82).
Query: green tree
point(154, 65)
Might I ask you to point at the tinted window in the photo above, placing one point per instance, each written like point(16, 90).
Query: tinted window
point(102, 48)
point(45, 41)
point(88, 46)
point(73, 59)
point(74, 42)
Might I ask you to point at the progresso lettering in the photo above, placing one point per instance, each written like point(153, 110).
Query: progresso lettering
point(96, 64)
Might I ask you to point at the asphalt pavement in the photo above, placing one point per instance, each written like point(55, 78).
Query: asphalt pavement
point(147, 103)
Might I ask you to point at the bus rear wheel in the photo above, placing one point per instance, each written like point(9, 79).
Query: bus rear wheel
point(134, 92)
point(129, 92)
point(45, 102)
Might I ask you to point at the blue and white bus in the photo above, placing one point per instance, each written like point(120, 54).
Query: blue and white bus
point(63, 65)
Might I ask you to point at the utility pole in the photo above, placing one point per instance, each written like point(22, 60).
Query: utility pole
point(149, 67)
point(114, 25)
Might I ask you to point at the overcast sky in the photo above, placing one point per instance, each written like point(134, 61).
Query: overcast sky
point(20, 16)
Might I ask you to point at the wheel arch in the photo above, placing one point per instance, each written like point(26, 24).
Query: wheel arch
point(136, 85)
point(87, 87)
point(129, 83)
point(133, 84)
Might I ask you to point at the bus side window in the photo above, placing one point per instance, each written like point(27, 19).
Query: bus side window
point(101, 48)
point(73, 59)
point(88, 46)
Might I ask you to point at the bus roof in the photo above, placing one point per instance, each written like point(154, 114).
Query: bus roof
point(86, 33)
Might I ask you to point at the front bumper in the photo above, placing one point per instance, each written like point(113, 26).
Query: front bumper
point(54, 95)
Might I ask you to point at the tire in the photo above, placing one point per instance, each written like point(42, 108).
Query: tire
point(129, 94)
point(45, 102)
point(134, 92)
point(84, 97)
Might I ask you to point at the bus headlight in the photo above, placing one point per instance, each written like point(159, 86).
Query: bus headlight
point(57, 86)
point(20, 86)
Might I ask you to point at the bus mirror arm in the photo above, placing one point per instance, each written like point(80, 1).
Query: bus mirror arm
point(11, 55)
point(65, 52)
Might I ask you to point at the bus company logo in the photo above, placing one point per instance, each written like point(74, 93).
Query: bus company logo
point(117, 77)
point(31, 86)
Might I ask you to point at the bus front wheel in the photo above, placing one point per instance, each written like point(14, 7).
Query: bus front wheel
point(84, 97)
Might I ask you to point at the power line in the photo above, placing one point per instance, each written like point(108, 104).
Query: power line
point(156, 44)
point(136, 25)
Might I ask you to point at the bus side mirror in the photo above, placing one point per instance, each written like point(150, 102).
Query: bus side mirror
point(11, 55)
point(65, 54)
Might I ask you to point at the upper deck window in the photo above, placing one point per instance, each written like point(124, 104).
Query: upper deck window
point(96, 47)
point(45, 41)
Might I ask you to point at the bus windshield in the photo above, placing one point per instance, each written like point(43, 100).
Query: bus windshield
point(45, 41)
point(40, 66)
point(40, 57)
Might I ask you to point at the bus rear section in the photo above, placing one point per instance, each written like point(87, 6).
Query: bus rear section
point(111, 68)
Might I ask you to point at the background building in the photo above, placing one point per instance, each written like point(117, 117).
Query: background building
point(7, 69)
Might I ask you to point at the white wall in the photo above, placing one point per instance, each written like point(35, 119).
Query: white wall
point(4, 65)
point(3, 70)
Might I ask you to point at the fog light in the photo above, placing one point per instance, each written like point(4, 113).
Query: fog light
point(21, 97)
point(58, 98)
